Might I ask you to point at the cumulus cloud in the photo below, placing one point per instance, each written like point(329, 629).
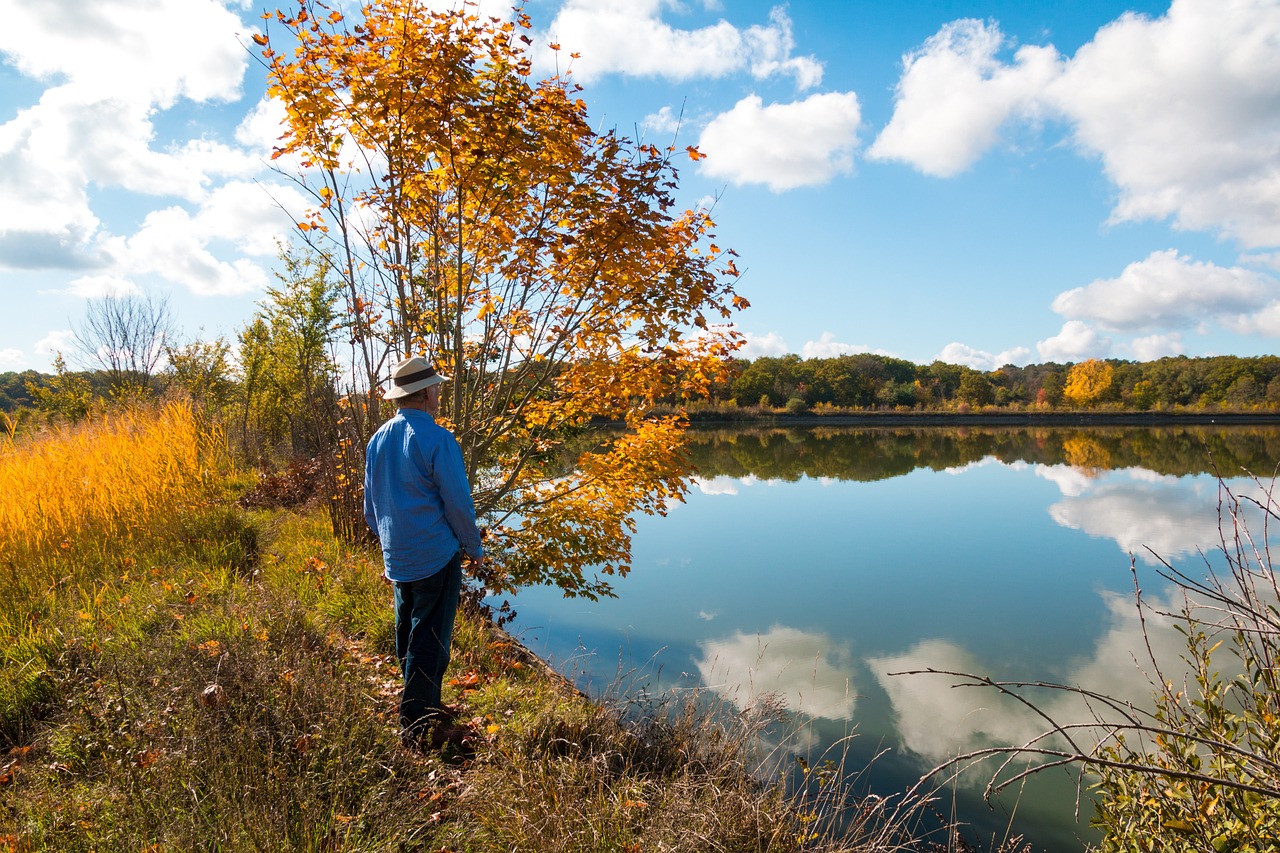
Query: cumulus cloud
point(631, 37)
point(1069, 479)
point(1152, 347)
point(115, 66)
point(1184, 113)
point(723, 484)
point(12, 359)
point(955, 94)
point(783, 146)
point(169, 244)
point(937, 721)
point(934, 719)
point(1076, 342)
point(958, 353)
point(94, 286)
point(770, 344)
point(1168, 290)
point(828, 347)
point(58, 340)
point(141, 50)
point(1181, 110)
point(808, 671)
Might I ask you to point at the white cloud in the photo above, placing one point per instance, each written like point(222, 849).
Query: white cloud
point(665, 120)
point(12, 359)
point(954, 95)
point(1076, 342)
point(93, 286)
point(59, 340)
point(828, 347)
point(1153, 347)
point(170, 244)
point(958, 353)
point(115, 65)
point(257, 217)
point(1184, 112)
point(784, 146)
point(45, 218)
point(1168, 290)
point(937, 721)
point(630, 37)
point(151, 51)
point(770, 344)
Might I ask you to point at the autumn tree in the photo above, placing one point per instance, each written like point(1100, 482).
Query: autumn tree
point(1088, 383)
point(474, 216)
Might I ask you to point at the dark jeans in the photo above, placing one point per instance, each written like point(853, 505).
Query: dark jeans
point(425, 610)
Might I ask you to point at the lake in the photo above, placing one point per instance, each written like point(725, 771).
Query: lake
point(811, 564)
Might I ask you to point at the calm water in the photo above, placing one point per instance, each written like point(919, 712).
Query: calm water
point(812, 564)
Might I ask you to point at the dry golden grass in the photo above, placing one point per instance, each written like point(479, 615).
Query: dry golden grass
point(108, 479)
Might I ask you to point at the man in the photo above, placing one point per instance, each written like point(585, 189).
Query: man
point(417, 500)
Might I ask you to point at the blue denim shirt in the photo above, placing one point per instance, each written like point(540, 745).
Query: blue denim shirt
point(416, 496)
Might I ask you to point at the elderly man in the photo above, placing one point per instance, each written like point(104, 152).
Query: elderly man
point(417, 500)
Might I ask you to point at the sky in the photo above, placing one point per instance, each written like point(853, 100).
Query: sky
point(984, 183)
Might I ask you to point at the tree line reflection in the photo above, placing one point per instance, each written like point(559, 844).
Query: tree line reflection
point(870, 454)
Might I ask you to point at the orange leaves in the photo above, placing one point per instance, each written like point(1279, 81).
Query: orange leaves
point(546, 262)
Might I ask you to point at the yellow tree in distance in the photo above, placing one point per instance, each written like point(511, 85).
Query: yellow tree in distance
point(476, 217)
point(1088, 382)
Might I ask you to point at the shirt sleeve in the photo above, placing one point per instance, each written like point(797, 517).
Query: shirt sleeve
point(370, 518)
point(455, 492)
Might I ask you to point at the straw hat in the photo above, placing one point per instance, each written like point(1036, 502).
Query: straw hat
point(412, 375)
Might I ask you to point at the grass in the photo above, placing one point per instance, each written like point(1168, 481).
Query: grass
point(182, 674)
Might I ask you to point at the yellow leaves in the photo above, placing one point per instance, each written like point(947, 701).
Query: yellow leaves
point(259, 39)
point(694, 154)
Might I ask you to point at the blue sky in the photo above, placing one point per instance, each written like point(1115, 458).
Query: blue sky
point(981, 182)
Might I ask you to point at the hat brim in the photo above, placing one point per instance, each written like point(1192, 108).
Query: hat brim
point(395, 392)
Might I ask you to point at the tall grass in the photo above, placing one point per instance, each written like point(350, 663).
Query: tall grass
point(106, 479)
point(81, 509)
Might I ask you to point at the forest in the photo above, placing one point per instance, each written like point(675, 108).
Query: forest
point(864, 382)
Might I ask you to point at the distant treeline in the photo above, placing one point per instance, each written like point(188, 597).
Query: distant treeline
point(869, 382)
point(16, 388)
point(877, 382)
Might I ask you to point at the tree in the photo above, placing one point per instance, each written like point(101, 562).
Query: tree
point(477, 218)
point(125, 336)
point(975, 389)
point(1088, 382)
point(288, 374)
point(65, 396)
point(204, 370)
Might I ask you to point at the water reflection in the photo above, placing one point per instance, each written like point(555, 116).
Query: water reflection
point(1141, 510)
point(807, 566)
point(809, 672)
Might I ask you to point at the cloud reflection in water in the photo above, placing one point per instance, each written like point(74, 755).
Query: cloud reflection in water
point(807, 670)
